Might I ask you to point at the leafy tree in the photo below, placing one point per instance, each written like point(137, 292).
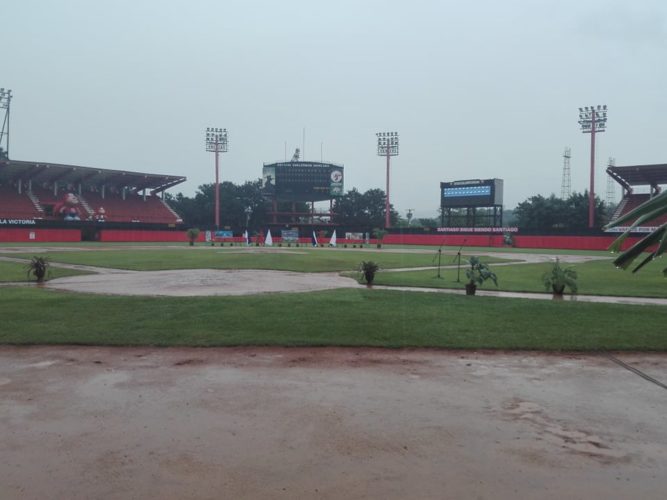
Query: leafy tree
point(432, 223)
point(363, 210)
point(234, 201)
point(541, 213)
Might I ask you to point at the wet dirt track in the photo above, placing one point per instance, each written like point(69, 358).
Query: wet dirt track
point(125, 423)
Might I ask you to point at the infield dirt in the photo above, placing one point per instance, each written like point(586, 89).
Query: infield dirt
point(125, 423)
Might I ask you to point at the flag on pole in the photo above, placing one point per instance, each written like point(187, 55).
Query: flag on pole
point(245, 237)
point(313, 240)
point(268, 241)
point(332, 241)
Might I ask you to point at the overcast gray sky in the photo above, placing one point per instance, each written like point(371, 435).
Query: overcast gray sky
point(476, 89)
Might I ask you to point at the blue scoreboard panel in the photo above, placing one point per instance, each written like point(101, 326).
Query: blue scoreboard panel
point(472, 193)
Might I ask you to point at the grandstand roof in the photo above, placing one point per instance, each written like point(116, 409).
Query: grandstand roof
point(639, 175)
point(12, 170)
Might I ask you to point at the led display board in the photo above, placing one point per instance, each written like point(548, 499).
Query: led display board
point(471, 193)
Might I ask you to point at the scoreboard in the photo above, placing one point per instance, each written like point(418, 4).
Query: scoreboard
point(471, 193)
point(302, 181)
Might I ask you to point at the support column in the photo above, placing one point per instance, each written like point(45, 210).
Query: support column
point(387, 219)
point(591, 191)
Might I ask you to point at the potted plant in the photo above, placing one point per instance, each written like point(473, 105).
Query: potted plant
point(38, 267)
point(560, 278)
point(368, 269)
point(379, 236)
point(193, 234)
point(477, 273)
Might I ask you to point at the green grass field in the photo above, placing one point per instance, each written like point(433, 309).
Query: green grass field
point(14, 271)
point(333, 318)
point(595, 278)
point(206, 257)
point(353, 317)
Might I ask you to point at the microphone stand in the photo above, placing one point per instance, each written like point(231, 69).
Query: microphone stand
point(458, 258)
point(439, 257)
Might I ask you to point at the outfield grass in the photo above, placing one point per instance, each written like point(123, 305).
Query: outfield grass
point(595, 278)
point(14, 271)
point(449, 250)
point(206, 257)
point(332, 318)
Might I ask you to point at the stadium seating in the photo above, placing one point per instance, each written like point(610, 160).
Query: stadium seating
point(47, 200)
point(632, 201)
point(16, 206)
point(131, 209)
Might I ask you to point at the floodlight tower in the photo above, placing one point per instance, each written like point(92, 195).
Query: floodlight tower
point(216, 142)
point(5, 101)
point(387, 146)
point(611, 193)
point(565, 187)
point(592, 120)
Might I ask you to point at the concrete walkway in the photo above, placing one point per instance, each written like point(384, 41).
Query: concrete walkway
point(608, 299)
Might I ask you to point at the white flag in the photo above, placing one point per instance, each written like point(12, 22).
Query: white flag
point(332, 241)
point(268, 241)
point(245, 237)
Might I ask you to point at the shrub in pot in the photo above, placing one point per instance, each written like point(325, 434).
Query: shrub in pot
point(193, 234)
point(38, 267)
point(559, 278)
point(368, 269)
point(379, 236)
point(477, 273)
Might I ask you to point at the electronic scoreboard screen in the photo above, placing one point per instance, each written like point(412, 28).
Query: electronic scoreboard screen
point(303, 181)
point(472, 193)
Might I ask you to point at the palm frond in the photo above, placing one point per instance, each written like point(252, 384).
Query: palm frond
point(657, 204)
point(626, 258)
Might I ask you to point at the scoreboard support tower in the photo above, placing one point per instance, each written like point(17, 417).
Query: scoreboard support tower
point(294, 187)
point(470, 196)
point(493, 218)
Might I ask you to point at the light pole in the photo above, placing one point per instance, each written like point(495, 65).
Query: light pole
point(387, 146)
point(592, 121)
point(5, 101)
point(409, 215)
point(216, 142)
point(248, 213)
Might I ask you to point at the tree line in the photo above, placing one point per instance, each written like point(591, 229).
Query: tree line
point(553, 213)
point(244, 206)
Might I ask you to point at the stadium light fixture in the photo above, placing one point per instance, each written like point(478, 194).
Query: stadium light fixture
point(216, 142)
point(387, 145)
point(5, 101)
point(592, 120)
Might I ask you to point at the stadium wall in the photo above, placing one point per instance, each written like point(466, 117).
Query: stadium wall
point(36, 235)
point(574, 242)
point(601, 242)
point(133, 235)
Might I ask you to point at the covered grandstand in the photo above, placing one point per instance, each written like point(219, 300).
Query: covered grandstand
point(649, 179)
point(85, 199)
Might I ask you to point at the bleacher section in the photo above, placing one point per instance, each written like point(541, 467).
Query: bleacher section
point(131, 209)
point(36, 190)
point(47, 200)
point(16, 206)
point(632, 201)
point(651, 178)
